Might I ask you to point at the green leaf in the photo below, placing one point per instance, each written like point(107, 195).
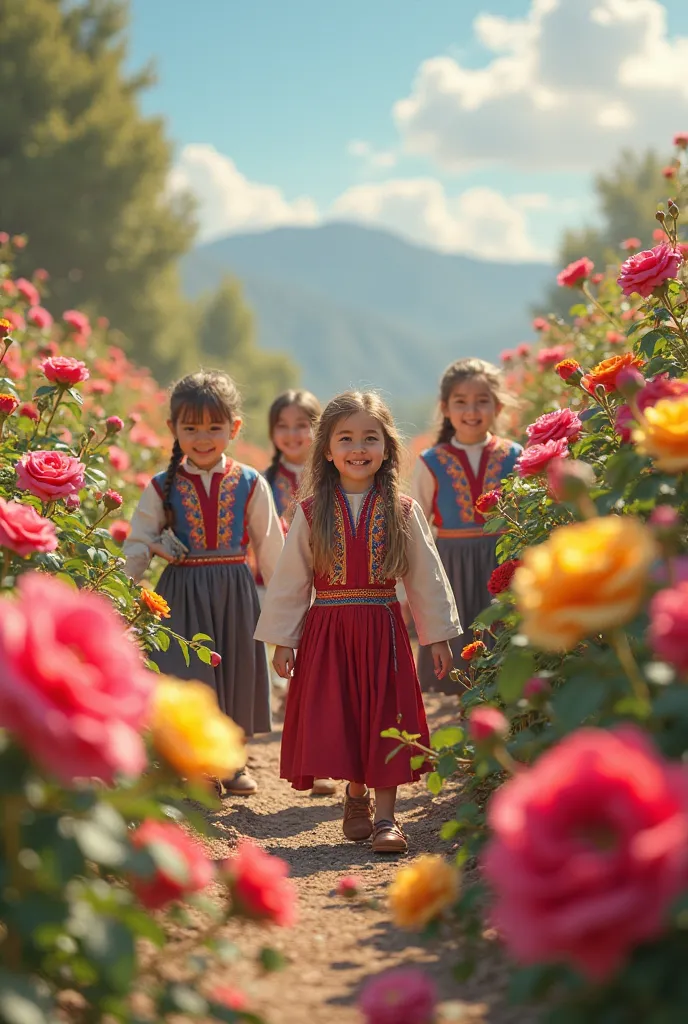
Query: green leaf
point(492, 614)
point(434, 783)
point(162, 639)
point(204, 654)
point(201, 636)
point(271, 959)
point(578, 699)
point(110, 945)
point(98, 845)
point(449, 829)
point(448, 736)
point(393, 753)
point(390, 734)
point(517, 668)
point(45, 389)
point(417, 761)
point(186, 1000)
point(447, 765)
point(75, 395)
point(185, 650)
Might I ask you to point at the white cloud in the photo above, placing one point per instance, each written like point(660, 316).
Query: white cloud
point(373, 159)
point(567, 86)
point(228, 202)
point(479, 221)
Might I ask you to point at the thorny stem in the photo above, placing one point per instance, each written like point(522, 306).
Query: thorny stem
point(596, 302)
point(54, 410)
point(96, 524)
point(677, 323)
point(619, 641)
point(99, 579)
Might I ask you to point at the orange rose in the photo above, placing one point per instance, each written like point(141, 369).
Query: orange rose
point(607, 372)
point(422, 890)
point(155, 604)
point(663, 434)
point(474, 650)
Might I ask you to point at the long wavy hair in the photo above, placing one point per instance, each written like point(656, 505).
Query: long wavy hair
point(190, 397)
point(303, 400)
point(463, 370)
point(321, 479)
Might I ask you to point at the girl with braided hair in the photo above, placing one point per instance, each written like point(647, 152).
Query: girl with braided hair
point(200, 515)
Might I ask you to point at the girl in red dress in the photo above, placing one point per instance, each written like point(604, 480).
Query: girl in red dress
point(291, 424)
point(351, 539)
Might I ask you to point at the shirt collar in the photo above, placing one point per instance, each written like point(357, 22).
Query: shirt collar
point(219, 467)
point(468, 447)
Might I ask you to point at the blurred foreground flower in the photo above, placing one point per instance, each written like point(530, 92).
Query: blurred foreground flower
point(259, 885)
point(663, 434)
point(422, 890)
point(403, 996)
point(23, 531)
point(181, 864)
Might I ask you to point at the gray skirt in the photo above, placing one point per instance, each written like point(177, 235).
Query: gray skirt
point(468, 564)
point(220, 600)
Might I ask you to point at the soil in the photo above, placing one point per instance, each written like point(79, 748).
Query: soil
point(336, 945)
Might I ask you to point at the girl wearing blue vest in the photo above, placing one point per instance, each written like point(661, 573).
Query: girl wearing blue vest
point(200, 515)
point(467, 459)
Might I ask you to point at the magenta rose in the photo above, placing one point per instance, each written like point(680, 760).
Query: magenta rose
point(662, 386)
point(589, 849)
point(575, 273)
point(23, 531)
point(487, 725)
point(669, 626)
point(403, 996)
point(645, 271)
point(74, 691)
point(553, 426)
point(64, 370)
point(50, 475)
point(28, 291)
point(537, 457)
point(39, 317)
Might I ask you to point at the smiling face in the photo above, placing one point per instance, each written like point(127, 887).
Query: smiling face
point(203, 440)
point(472, 410)
point(357, 449)
point(292, 434)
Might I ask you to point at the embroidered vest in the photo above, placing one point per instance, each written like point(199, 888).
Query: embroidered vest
point(215, 521)
point(284, 486)
point(457, 487)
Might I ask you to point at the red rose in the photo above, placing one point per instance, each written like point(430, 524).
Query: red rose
point(486, 725)
point(29, 410)
point(349, 886)
point(488, 500)
point(23, 531)
point(607, 372)
point(589, 849)
point(41, 274)
point(547, 357)
point(259, 885)
point(64, 370)
point(552, 426)
point(536, 458)
point(642, 273)
point(75, 691)
point(215, 659)
point(631, 244)
point(616, 337)
point(568, 368)
point(28, 291)
point(232, 998)
point(142, 480)
point(576, 272)
point(40, 318)
point(164, 887)
point(669, 626)
point(119, 530)
point(501, 577)
point(50, 475)
point(112, 500)
point(8, 403)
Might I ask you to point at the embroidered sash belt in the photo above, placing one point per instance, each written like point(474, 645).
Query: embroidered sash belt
point(335, 598)
point(467, 532)
point(195, 560)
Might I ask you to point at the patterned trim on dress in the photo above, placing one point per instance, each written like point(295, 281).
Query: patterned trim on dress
point(337, 574)
point(225, 504)
point(196, 560)
point(377, 535)
point(193, 511)
point(284, 488)
point(494, 471)
point(361, 596)
point(459, 481)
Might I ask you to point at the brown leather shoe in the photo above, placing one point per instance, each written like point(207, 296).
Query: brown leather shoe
point(323, 787)
point(388, 837)
point(358, 817)
point(242, 784)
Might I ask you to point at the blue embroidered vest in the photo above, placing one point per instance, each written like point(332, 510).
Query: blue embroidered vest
point(215, 521)
point(284, 486)
point(457, 487)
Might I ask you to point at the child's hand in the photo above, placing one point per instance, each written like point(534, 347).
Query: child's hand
point(158, 549)
point(283, 661)
point(442, 658)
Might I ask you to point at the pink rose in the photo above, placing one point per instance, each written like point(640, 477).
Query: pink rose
point(487, 725)
point(114, 424)
point(29, 410)
point(119, 530)
point(64, 370)
point(72, 502)
point(215, 659)
point(349, 886)
point(631, 244)
point(39, 317)
point(659, 387)
point(28, 291)
point(403, 996)
point(112, 500)
point(507, 356)
point(669, 172)
point(523, 350)
point(681, 140)
point(537, 457)
point(259, 885)
point(665, 517)
point(119, 459)
point(536, 688)
point(615, 337)
point(232, 998)
point(642, 273)
point(552, 426)
point(41, 274)
point(575, 273)
point(589, 849)
point(50, 475)
point(15, 319)
point(547, 357)
point(669, 626)
point(23, 531)
point(78, 322)
point(163, 887)
point(142, 480)
point(540, 324)
point(74, 689)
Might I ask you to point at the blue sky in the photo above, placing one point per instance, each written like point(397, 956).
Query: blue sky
point(470, 126)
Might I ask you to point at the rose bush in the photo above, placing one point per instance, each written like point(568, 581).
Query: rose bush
point(100, 757)
point(572, 741)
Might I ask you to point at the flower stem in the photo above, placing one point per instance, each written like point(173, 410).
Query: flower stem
point(97, 523)
point(589, 295)
point(624, 653)
point(54, 410)
point(6, 557)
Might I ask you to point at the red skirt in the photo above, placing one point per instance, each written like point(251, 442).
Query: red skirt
point(354, 677)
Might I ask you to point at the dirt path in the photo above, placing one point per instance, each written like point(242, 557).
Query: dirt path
point(336, 945)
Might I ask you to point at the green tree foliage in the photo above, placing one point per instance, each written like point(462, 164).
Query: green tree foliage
point(628, 196)
point(84, 174)
point(226, 339)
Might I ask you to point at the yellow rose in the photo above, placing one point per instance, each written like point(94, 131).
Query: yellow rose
point(192, 734)
point(663, 434)
point(422, 890)
point(585, 579)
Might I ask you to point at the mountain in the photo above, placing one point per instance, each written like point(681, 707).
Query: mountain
point(355, 306)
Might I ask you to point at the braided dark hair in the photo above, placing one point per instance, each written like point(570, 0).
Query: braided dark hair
point(191, 396)
point(457, 373)
point(305, 401)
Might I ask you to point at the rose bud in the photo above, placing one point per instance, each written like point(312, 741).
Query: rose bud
point(72, 502)
point(112, 500)
point(537, 690)
point(487, 727)
point(570, 371)
point(349, 887)
point(114, 424)
point(215, 659)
